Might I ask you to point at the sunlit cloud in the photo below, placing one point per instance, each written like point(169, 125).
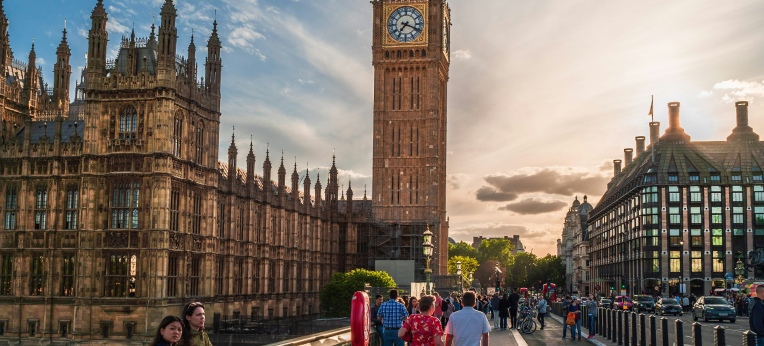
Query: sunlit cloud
point(737, 90)
point(534, 206)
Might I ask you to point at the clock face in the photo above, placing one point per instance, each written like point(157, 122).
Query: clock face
point(405, 24)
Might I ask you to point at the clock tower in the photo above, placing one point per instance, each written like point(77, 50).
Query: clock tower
point(411, 58)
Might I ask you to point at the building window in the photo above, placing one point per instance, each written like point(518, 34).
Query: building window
point(675, 236)
point(737, 215)
point(673, 177)
point(716, 215)
point(124, 205)
point(695, 194)
point(221, 218)
point(172, 275)
point(41, 208)
point(650, 216)
point(70, 207)
point(650, 195)
point(11, 207)
point(716, 193)
point(758, 215)
point(674, 216)
point(121, 274)
point(696, 217)
point(737, 194)
point(68, 266)
point(697, 261)
point(650, 237)
point(6, 274)
point(717, 237)
point(757, 175)
point(717, 260)
point(177, 137)
point(675, 261)
point(238, 279)
point(175, 209)
point(196, 217)
point(272, 278)
point(199, 135)
point(128, 123)
point(758, 193)
point(696, 237)
point(63, 328)
point(220, 265)
point(196, 271)
point(652, 262)
point(37, 275)
point(694, 177)
point(736, 177)
point(715, 177)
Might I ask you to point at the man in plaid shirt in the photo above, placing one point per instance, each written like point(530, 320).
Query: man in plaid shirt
point(392, 315)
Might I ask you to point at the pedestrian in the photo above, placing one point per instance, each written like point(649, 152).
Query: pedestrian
point(592, 314)
point(685, 303)
point(467, 327)
point(503, 311)
point(169, 332)
point(377, 323)
point(413, 306)
point(392, 314)
point(574, 308)
point(756, 316)
point(495, 310)
point(438, 306)
point(425, 329)
point(448, 309)
point(514, 300)
point(541, 306)
point(193, 326)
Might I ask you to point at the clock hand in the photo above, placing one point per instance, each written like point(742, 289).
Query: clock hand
point(410, 26)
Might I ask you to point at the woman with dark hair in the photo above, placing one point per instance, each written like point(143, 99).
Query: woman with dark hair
point(413, 306)
point(169, 332)
point(425, 329)
point(193, 328)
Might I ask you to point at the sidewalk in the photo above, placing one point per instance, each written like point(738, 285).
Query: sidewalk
point(551, 335)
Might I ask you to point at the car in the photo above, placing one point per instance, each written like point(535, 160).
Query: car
point(622, 303)
point(606, 303)
point(644, 303)
point(711, 307)
point(668, 306)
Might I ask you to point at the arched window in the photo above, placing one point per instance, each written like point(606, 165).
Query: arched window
point(387, 55)
point(41, 208)
point(124, 205)
point(128, 123)
point(424, 53)
point(199, 142)
point(177, 135)
point(411, 53)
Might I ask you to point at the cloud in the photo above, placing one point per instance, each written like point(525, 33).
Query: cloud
point(113, 26)
point(546, 180)
point(489, 194)
point(457, 180)
point(39, 61)
point(705, 94)
point(736, 90)
point(244, 37)
point(461, 54)
point(532, 206)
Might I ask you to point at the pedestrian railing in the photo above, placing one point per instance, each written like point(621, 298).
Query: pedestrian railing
point(628, 328)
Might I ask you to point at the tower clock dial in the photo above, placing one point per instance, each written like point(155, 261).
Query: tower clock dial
point(405, 24)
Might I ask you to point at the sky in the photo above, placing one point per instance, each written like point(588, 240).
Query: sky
point(543, 94)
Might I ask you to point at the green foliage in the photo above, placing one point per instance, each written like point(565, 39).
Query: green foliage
point(469, 265)
point(496, 250)
point(485, 274)
point(519, 273)
point(462, 249)
point(338, 292)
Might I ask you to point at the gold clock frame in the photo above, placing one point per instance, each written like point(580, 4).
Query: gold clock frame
point(389, 41)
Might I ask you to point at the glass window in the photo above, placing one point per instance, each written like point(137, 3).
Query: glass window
point(71, 205)
point(737, 193)
point(675, 262)
point(758, 193)
point(716, 193)
point(717, 261)
point(41, 208)
point(177, 137)
point(124, 205)
point(172, 275)
point(128, 123)
point(717, 237)
point(6, 274)
point(697, 261)
point(37, 275)
point(68, 266)
point(695, 194)
point(121, 274)
point(716, 215)
point(674, 194)
point(696, 237)
point(11, 207)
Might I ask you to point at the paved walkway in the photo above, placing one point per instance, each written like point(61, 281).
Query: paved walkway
point(551, 335)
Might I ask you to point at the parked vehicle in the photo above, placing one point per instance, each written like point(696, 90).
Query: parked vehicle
point(668, 306)
point(711, 307)
point(606, 303)
point(644, 303)
point(622, 303)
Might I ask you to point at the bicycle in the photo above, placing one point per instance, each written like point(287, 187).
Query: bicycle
point(527, 324)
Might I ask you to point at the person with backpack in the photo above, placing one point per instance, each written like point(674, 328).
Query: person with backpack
point(756, 315)
point(448, 309)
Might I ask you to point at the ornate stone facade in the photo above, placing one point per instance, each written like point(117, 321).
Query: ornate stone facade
point(116, 210)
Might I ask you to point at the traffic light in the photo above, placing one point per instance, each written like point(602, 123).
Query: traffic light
point(623, 286)
point(612, 288)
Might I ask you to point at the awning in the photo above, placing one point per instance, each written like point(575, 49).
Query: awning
point(719, 290)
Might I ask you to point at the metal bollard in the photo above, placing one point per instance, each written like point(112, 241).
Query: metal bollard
point(697, 337)
point(611, 326)
point(626, 328)
point(620, 327)
point(749, 338)
point(642, 330)
point(719, 338)
point(600, 320)
point(633, 329)
point(664, 331)
point(678, 332)
point(653, 331)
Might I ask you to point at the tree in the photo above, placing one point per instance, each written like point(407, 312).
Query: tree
point(497, 250)
point(519, 273)
point(462, 249)
point(469, 265)
point(486, 273)
point(338, 292)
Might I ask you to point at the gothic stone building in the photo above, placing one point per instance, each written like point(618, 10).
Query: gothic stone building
point(116, 211)
point(680, 215)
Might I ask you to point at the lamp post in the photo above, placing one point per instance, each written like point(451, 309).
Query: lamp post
point(459, 274)
point(427, 248)
point(740, 271)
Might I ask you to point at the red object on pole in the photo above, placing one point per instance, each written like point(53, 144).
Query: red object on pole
point(360, 319)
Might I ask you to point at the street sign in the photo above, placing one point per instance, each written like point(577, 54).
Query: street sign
point(728, 276)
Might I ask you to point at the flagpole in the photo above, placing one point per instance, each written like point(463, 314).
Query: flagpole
point(652, 120)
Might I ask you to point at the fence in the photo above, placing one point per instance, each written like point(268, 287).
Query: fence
point(630, 329)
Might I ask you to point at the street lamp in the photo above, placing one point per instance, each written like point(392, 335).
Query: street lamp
point(427, 248)
point(459, 274)
point(740, 271)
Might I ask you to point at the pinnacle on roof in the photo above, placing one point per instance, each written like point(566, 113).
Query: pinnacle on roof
point(99, 10)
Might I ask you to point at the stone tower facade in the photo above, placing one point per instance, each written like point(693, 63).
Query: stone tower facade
point(410, 54)
point(116, 211)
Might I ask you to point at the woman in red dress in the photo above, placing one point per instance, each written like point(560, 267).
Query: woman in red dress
point(425, 329)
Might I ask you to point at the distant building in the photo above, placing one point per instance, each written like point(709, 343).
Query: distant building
point(572, 248)
point(517, 245)
point(678, 217)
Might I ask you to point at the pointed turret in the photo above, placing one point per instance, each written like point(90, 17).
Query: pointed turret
point(282, 178)
point(250, 166)
point(232, 153)
point(168, 37)
point(98, 37)
point(191, 64)
point(267, 174)
point(349, 204)
point(62, 72)
point(306, 190)
point(317, 189)
point(295, 185)
point(214, 64)
point(5, 47)
point(332, 185)
point(31, 82)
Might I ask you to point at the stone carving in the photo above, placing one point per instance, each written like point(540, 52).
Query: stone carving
point(117, 239)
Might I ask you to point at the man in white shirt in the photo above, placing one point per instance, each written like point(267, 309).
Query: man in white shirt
point(467, 327)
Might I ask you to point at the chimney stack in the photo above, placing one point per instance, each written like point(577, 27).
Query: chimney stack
point(674, 132)
point(628, 154)
point(640, 145)
point(655, 130)
point(743, 131)
point(616, 168)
